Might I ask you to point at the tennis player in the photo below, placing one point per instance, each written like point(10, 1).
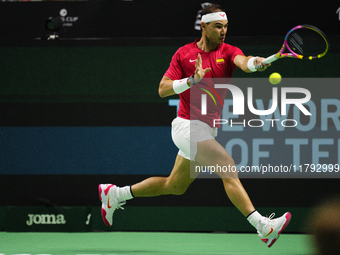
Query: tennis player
point(207, 57)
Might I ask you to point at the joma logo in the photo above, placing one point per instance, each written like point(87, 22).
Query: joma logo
point(45, 219)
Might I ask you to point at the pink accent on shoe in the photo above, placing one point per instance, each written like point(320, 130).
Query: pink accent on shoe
point(288, 217)
point(264, 240)
point(107, 189)
point(104, 219)
point(274, 240)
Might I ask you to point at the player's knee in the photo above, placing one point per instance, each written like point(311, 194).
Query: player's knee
point(179, 190)
point(175, 188)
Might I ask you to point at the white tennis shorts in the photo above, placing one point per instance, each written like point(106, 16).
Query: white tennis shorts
point(187, 133)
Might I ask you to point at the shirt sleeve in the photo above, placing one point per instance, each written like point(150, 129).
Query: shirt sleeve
point(175, 71)
point(232, 52)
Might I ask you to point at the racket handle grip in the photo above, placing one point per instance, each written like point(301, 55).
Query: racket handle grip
point(270, 59)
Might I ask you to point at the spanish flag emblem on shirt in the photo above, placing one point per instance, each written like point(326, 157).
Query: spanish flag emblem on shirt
point(219, 60)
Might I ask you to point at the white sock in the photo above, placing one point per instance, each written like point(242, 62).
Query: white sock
point(254, 219)
point(124, 193)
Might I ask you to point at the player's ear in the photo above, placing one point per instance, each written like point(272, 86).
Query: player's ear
point(203, 25)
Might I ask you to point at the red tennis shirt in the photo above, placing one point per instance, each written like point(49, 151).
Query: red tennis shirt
point(221, 62)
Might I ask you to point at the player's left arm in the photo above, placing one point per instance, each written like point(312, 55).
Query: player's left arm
point(241, 62)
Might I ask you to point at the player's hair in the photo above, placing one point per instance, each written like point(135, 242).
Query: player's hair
point(212, 8)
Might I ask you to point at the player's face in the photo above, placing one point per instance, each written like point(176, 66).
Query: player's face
point(216, 31)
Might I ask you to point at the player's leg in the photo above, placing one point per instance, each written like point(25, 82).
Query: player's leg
point(175, 184)
point(211, 153)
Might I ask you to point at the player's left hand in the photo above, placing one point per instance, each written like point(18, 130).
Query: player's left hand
point(200, 72)
point(259, 65)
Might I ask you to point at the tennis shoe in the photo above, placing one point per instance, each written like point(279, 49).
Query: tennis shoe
point(272, 228)
point(108, 196)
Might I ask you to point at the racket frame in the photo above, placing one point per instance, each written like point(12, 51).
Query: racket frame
point(292, 54)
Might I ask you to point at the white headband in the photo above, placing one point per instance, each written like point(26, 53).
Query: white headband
point(214, 16)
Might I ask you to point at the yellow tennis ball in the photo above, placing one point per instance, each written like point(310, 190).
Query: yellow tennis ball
point(275, 78)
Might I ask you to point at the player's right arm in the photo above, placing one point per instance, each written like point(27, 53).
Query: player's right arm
point(241, 62)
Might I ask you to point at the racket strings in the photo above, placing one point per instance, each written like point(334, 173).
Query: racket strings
point(297, 42)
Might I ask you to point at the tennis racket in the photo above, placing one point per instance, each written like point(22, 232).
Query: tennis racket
point(302, 42)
